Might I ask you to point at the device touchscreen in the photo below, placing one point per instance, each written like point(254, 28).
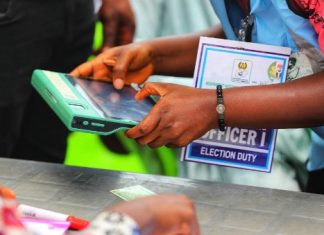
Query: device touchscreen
point(110, 102)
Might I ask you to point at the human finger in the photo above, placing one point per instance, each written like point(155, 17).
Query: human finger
point(158, 142)
point(120, 70)
point(139, 76)
point(146, 126)
point(100, 70)
point(151, 88)
point(118, 82)
point(83, 70)
point(151, 136)
point(165, 136)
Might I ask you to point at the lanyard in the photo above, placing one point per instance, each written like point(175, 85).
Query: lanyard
point(245, 31)
point(246, 24)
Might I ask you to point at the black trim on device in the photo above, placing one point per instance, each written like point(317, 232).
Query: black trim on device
point(97, 125)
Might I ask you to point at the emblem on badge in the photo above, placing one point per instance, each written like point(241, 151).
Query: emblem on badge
point(274, 71)
point(241, 71)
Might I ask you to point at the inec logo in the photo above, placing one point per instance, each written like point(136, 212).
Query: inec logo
point(274, 71)
point(241, 71)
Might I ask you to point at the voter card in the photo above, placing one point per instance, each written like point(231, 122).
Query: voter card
point(230, 64)
point(132, 192)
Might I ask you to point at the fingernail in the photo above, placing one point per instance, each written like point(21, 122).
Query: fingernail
point(110, 62)
point(119, 83)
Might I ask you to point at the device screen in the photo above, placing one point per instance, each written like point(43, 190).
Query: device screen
point(113, 103)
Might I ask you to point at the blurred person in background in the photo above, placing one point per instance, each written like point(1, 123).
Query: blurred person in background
point(241, 9)
point(156, 19)
point(54, 35)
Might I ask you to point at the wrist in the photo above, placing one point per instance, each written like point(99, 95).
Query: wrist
point(220, 108)
point(211, 107)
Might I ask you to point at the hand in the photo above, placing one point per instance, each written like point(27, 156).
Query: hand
point(162, 215)
point(119, 23)
point(127, 64)
point(181, 115)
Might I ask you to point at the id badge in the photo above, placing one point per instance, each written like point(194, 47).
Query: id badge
point(231, 64)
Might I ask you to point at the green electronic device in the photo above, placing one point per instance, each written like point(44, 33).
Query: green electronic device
point(90, 106)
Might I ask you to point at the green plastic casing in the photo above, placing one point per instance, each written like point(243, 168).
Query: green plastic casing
point(64, 99)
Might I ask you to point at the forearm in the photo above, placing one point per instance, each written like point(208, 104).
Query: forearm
point(298, 103)
point(176, 56)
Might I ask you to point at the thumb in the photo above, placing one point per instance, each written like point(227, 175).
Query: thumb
point(152, 88)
